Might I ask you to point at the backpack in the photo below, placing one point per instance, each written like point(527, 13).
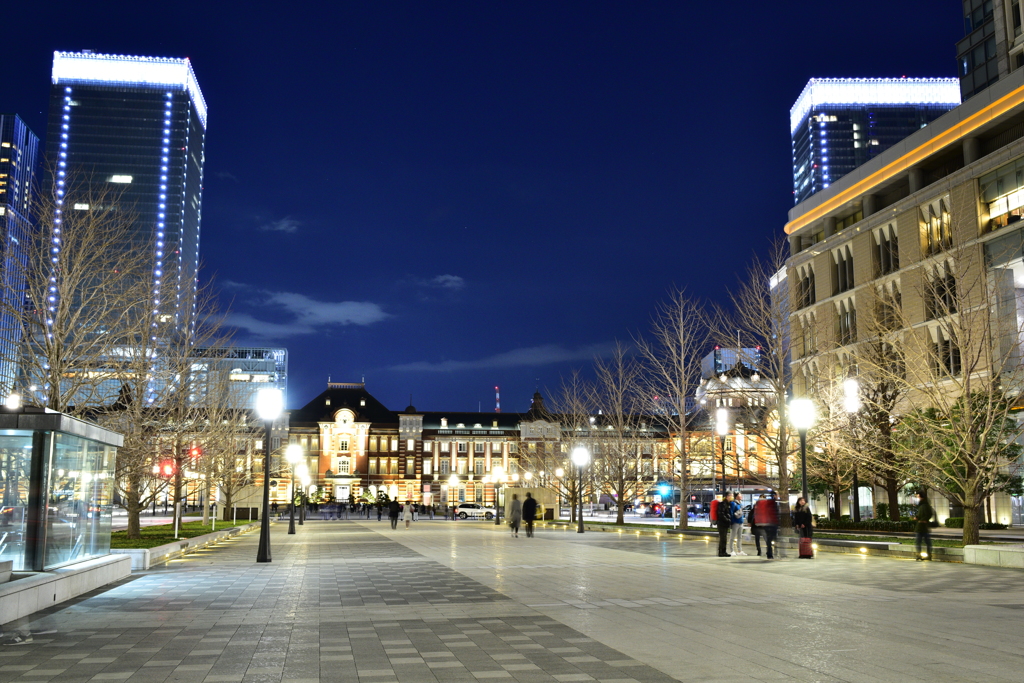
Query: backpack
point(714, 511)
point(750, 515)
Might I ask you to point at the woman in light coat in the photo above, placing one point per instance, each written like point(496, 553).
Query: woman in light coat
point(407, 514)
point(515, 514)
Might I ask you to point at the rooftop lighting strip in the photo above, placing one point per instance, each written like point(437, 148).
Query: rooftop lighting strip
point(865, 91)
point(80, 67)
point(970, 124)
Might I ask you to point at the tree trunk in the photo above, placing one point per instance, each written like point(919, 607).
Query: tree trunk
point(134, 523)
point(972, 524)
point(837, 500)
point(206, 501)
point(620, 515)
point(893, 493)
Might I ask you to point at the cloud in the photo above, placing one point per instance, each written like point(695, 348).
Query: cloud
point(227, 176)
point(451, 282)
point(533, 356)
point(287, 225)
point(308, 316)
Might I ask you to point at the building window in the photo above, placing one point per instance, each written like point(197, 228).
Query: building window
point(842, 270)
point(478, 447)
point(428, 446)
point(462, 466)
point(410, 467)
point(846, 323)
point(410, 444)
point(373, 465)
point(446, 466)
point(496, 447)
point(888, 307)
point(463, 447)
point(445, 447)
point(394, 443)
point(478, 466)
point(513, 447)
point(343, 445)
point(809, 334)
point(886, 251)
point(940, 292)
point(847, 221)
point(478, 491)
point(427, 467)
point(805, 287)
point(936, 233)
point(344, 466)
point(946, 354)
point(373, 444)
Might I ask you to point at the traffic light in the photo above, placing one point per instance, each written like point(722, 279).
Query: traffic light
point(165, 468)
point(196, 452)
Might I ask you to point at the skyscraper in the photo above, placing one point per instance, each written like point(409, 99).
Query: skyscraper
point(992, 46)
point(19, 151)
point(137, 124)
point(839, 123)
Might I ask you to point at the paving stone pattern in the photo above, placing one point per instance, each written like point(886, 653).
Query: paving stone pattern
point(357, 601)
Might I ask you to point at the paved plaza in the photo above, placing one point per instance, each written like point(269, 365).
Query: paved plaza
point(463, 601)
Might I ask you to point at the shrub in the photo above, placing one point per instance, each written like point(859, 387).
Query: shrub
point(993, 526)
point(866, 525)
point(958, 523)
point(954, 522)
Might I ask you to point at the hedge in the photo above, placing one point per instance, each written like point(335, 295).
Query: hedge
point(958, 523)
point(866, 525)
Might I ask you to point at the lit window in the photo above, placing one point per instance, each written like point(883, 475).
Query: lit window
point(343, 445)
point(478, 447)
point(463, 447)
point(343, 466)
point(81, 207)
point(410, 444)
point(445, 446)
point(122, 179)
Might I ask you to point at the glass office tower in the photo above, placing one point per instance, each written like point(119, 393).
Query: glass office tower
point(137, 124)
point(19, 151)
point(837, 124)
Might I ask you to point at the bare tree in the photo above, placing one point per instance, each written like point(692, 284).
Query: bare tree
point(679, 336)
point(760, 319)
point(85, 291)
point(620, 429)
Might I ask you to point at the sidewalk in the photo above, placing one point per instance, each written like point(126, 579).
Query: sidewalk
point(453, 602)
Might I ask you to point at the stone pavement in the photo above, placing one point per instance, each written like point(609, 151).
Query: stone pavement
point(443, 601)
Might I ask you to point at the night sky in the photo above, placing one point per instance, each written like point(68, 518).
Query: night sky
point(442, 197)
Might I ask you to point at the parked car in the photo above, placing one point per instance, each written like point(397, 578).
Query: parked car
point(475, 510)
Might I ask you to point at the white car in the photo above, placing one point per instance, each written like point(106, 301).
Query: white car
point(467, 510)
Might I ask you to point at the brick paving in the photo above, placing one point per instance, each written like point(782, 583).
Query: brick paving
point(444, 601)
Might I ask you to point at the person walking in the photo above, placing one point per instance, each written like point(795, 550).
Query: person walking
point(766, 516)
point(923, 526)
point(736, 530)
point(755, 530)
point(380, 510)
point(394, 509)
point(724, 522)
point(803, 522)
point(529, 513)
point(409, 513)
point(515, 514)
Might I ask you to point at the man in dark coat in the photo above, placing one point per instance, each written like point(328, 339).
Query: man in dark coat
point(724, 521)
point(394, 509)
point(529, 513)
point(923, 521)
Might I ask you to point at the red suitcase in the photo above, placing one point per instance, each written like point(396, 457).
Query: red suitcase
point(806, 549)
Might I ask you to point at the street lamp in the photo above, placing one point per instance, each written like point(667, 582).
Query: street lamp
point(851, 401)
point(722, 427)
point(293, 454)
point(269, 404)
point(498, 476)
point(580, 458)
point(302, 471)
point(802, 415)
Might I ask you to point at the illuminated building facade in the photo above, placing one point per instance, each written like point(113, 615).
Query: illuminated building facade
point(837, 124)
point(19, 150)
point(138, 126)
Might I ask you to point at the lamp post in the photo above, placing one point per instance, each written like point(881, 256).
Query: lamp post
point(722, 427)
point(293, 453)
point(580, 458)
point(802, 414)
point(498, 476)
point(269, 404)
point(851, 401)
point(302, 471)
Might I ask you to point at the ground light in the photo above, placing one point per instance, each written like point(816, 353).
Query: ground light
point(864, 550)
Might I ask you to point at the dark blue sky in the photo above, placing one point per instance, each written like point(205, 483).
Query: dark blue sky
point(448, 196)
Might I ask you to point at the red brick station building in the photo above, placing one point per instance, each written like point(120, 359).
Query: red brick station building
point(356, 445)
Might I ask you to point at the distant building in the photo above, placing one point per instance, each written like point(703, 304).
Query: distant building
point(241, 372)
point(137, 125)
point(837, 124)
point(993, 45)
point(19, 151)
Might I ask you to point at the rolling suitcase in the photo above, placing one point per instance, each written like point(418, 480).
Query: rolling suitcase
point(806, 549)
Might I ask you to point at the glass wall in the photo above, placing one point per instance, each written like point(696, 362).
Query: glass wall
point(79, 497)
point(15, 464)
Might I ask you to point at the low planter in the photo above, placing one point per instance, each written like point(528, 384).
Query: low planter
point(144, 558)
